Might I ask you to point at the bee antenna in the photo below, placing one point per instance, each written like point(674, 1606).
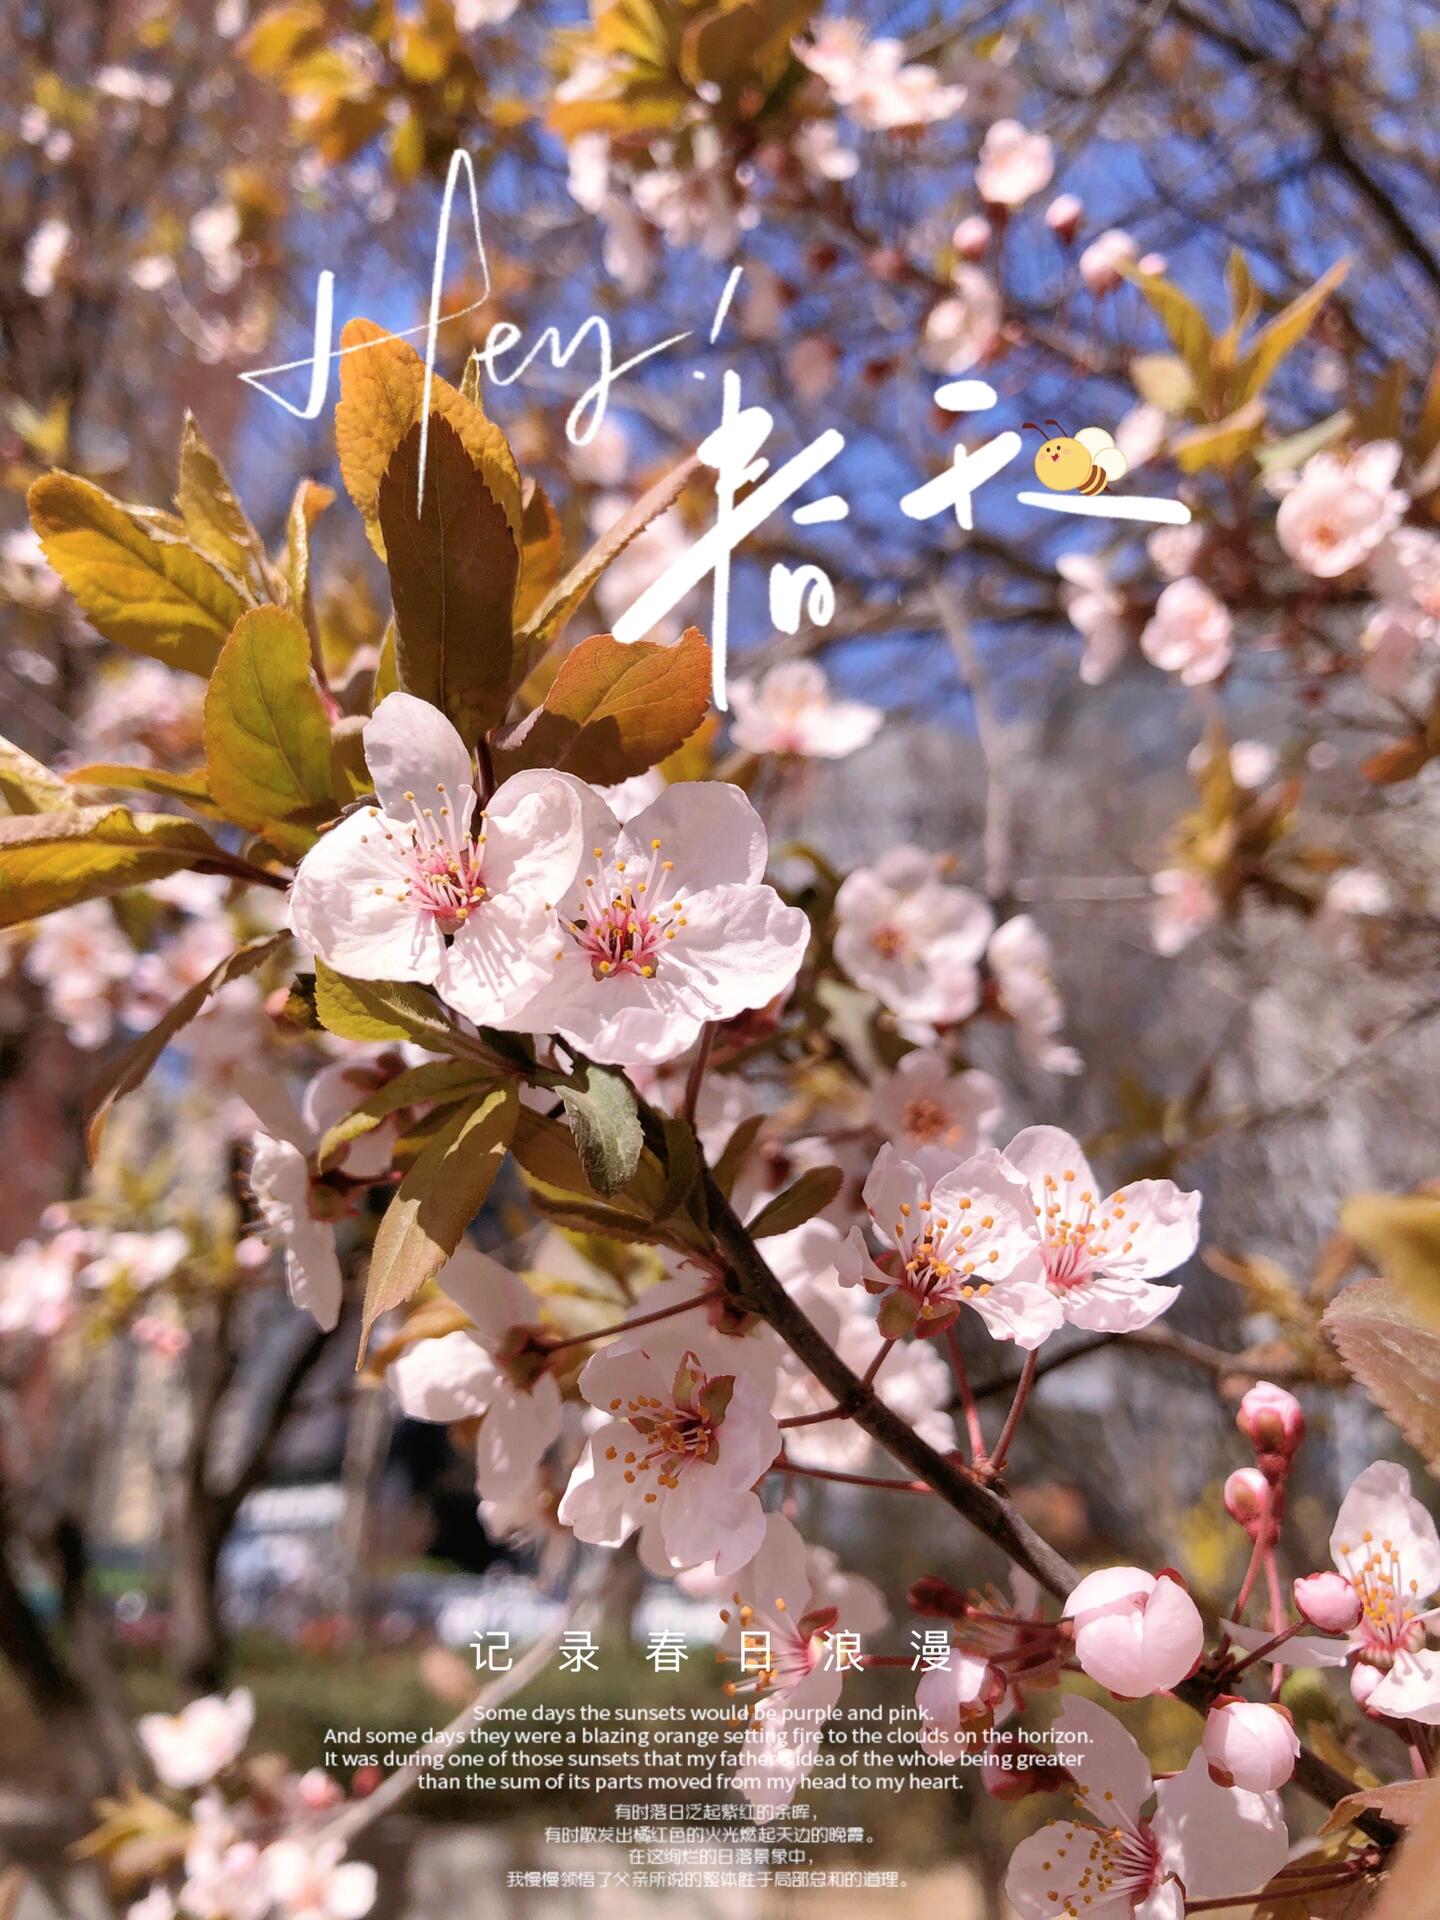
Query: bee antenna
point(1031, 423)
point(1054, 423)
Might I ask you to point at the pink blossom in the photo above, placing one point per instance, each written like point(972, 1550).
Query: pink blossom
point(963, 1240)
point(408, 890)
point(1098, 611)
point(677, 1456)
point(1328, 1601)
point(1100, 1254)
point(489, 1371)
point(1141, 433)
point(279, 1178)
point(873, 82)
point(1014, 165)
point(1064, 214)
point(187, 1749)
point(932, 1114)
point(911, 938)
point(1339, 510)
point(311, 1880)
point(1202, 1842)
point(1174, 550)
point(792, 710)
point(1405, 571)
point(1184, 907)
point(819, 149)
point(963, 329)
point(669, 926)
point(1390, 640)
point(1188, 633)
point(787, 1604)
point(810, 367)
point(1135, 1633)
point(957, 1701)
point(1247, 1498)
point(971, 239)
point(1020, 961)
point(1250, 1744)
point(1102, 260)
point(1272, 1420)
point(38, 1283)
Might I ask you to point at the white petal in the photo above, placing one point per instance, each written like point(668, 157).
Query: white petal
point(347, 904)
point(1217, 1840)
point(535, 835)
point(495, 1298)
point(410, 747)
point(514, 1437)
point(742, 947)
point(1380, 1504)
point(1041, 1151)
point(449, 1378)
point(709, 829)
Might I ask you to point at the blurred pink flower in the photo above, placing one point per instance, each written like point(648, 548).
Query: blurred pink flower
point(1339, 510)
point(1189, 633)
point(791, 709)
point(1014, 164)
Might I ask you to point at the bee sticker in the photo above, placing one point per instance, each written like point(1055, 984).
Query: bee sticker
point(1085, 462)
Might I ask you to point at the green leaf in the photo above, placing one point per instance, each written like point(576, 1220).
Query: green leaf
point(453, 572)
point(1222, 444)
point(614, 710)
point(736, 1152)
point(606, 1125)
point(1295, 449)
point(134, 575)
point(800, 1201)
point(558, 605)
point(436, 1201)
point(213, 515)
point(126, 1071)
point(28, 785)
point(192, 786)
point(555, 1179)
point(1285, 332)
point(267, 732)
point(1186, 326)
point(382, 384)
point(1164, 380)
point(443, 1081)
point(684, 1166)
point(54, 860)
point(308, 502)
point(1393, 1350)
point(390, 1010)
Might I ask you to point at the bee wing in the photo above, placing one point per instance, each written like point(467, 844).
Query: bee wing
point(1095, 440)
point(1111, 462)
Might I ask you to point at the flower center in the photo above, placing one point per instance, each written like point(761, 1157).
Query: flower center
point(622, 922)
point(1389, 1618)
point(924, 1118)
point(1074, 1244)
point(935, 1267)
point(685, 1431)
point(441, 864)
point(888, 941)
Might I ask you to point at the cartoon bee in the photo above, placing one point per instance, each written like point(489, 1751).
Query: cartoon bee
point(1084, 463)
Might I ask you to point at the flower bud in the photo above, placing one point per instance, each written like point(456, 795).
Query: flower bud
point(1247, 1493)
point(1363, 1682)
point(1249, 1744)
point(1063, 215)
point(971, 239)
point(1327, 1601)
point(937, 1599)
point(1273, 1421)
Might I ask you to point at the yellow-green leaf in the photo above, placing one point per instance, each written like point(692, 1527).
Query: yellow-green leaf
point(54, 860)
point(129, 1068)
point(382, 383)
point(28, 785)
point(192, 786)
point(806, 1196)
point(1164, 380)
point(134, 577)
point(437, 1200)
point(213, 515)
point(1187, 327)
point(267, 732)
point(1285, 332)
point(1222, 444)
point(434, 1082)
point(1400, 1234)
point(453, 570)
point(614, 709)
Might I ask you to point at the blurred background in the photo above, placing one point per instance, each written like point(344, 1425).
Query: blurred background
point(196, 1491)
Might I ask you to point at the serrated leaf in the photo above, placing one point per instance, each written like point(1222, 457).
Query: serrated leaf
point(213, 515)
point(307, 503)
point(129, 1068)
point(547, 1155)
point(453, 566)
point(267, 731)
point(137, 580)
point(606, 1126)
point(442, 1081)
point(614, 709)
point(28, 785)
point(799, 1202)
point(542, 556)
point(436, 1201)
point(54, 860)
point(1394, 1352)
point(1400, 1802)
point(562, 601)
point(1284, 333)
point(382, 382)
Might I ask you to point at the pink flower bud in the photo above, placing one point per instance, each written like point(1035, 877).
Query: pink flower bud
point(317, 1792)
point(971, 239)
point(1246, 1494)
point(1135, 1632)
point(1273, 1421)
point(1152, 263)
point(1063, 215)
point(1248, 1744)
point(1363, 1682)
point(1328, 1601)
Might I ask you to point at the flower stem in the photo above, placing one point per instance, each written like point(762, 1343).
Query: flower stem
point(694, 1080)
point(973, 1429)
point(1017, 1407)
point(636, 1320)
point(786, 1465)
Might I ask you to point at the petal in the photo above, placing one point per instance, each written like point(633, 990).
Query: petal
point(1380, 1505)
point(595, 1504)
point(535, 834)
point(353, 1886)
point(1021, 1308)
point(741, 948)
point(514, 1436)
point(1217, 1840)
point(1044, 1877)
point(1110, 1768)
point(1108, 1588)
point(501, 961)
point(1305, 1650)
point(1162, 1223)
point(346, 904)
point(1108, 1303)
point(495, 1298)
point(410, 747)
point(1411, 1689)
point(893, 1185)
point(1174, 1634)
point(1049, 1152)
point(708, 828)
point(448, 1378)
point(778, 1571)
